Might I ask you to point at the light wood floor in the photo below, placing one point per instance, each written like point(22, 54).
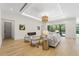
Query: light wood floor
point(67, 47)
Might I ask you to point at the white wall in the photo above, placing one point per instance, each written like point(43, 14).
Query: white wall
point(70, 25)
point(0, 30)
point(30, 24)
point(71, 29)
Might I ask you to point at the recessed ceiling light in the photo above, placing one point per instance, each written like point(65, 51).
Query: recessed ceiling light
point(30, 16)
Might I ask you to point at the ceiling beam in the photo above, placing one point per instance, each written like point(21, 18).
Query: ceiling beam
point(23, 7)
point(60, 9)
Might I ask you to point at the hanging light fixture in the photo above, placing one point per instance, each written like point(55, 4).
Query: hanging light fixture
point(45, 19)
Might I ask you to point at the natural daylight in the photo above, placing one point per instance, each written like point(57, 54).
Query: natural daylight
point(39, 29)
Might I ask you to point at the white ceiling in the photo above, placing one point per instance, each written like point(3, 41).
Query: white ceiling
point(55, 11)
point(11, 7)
point(40, 9)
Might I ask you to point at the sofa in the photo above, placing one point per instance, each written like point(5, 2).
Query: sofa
point(53, 39)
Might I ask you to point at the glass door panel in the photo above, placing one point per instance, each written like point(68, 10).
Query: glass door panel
point(60, 27)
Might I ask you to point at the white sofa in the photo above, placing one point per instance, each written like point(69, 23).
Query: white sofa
point(53, 39)
point(33, 38)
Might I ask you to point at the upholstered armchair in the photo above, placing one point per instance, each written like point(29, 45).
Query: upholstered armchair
point(35, 40)
point(32, 38)
point(28, 36)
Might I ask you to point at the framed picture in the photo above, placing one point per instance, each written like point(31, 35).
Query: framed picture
point(21, 27)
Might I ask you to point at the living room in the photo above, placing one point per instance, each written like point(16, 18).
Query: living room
point(27, 18)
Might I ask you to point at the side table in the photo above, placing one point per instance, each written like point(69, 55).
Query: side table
point(45, 45)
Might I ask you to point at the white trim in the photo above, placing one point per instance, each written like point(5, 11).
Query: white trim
point(31, 16)
point(13, 27)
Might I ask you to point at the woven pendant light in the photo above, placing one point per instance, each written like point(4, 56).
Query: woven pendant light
point(45, 19)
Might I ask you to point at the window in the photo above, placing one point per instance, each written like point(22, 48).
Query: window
point(60, 27)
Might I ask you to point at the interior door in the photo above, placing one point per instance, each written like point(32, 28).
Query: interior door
point(7, 30)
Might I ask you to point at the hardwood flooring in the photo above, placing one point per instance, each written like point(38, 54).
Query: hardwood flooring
point(67, 47)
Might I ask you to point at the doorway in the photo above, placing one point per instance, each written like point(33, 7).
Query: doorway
point(7, 30)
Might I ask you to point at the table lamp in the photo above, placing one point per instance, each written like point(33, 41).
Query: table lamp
point(45, 33)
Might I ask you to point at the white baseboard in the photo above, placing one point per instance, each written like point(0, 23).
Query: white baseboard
point(70, 38)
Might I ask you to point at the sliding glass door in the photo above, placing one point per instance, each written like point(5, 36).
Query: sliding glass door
point(77, 30)
point(60, 27)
